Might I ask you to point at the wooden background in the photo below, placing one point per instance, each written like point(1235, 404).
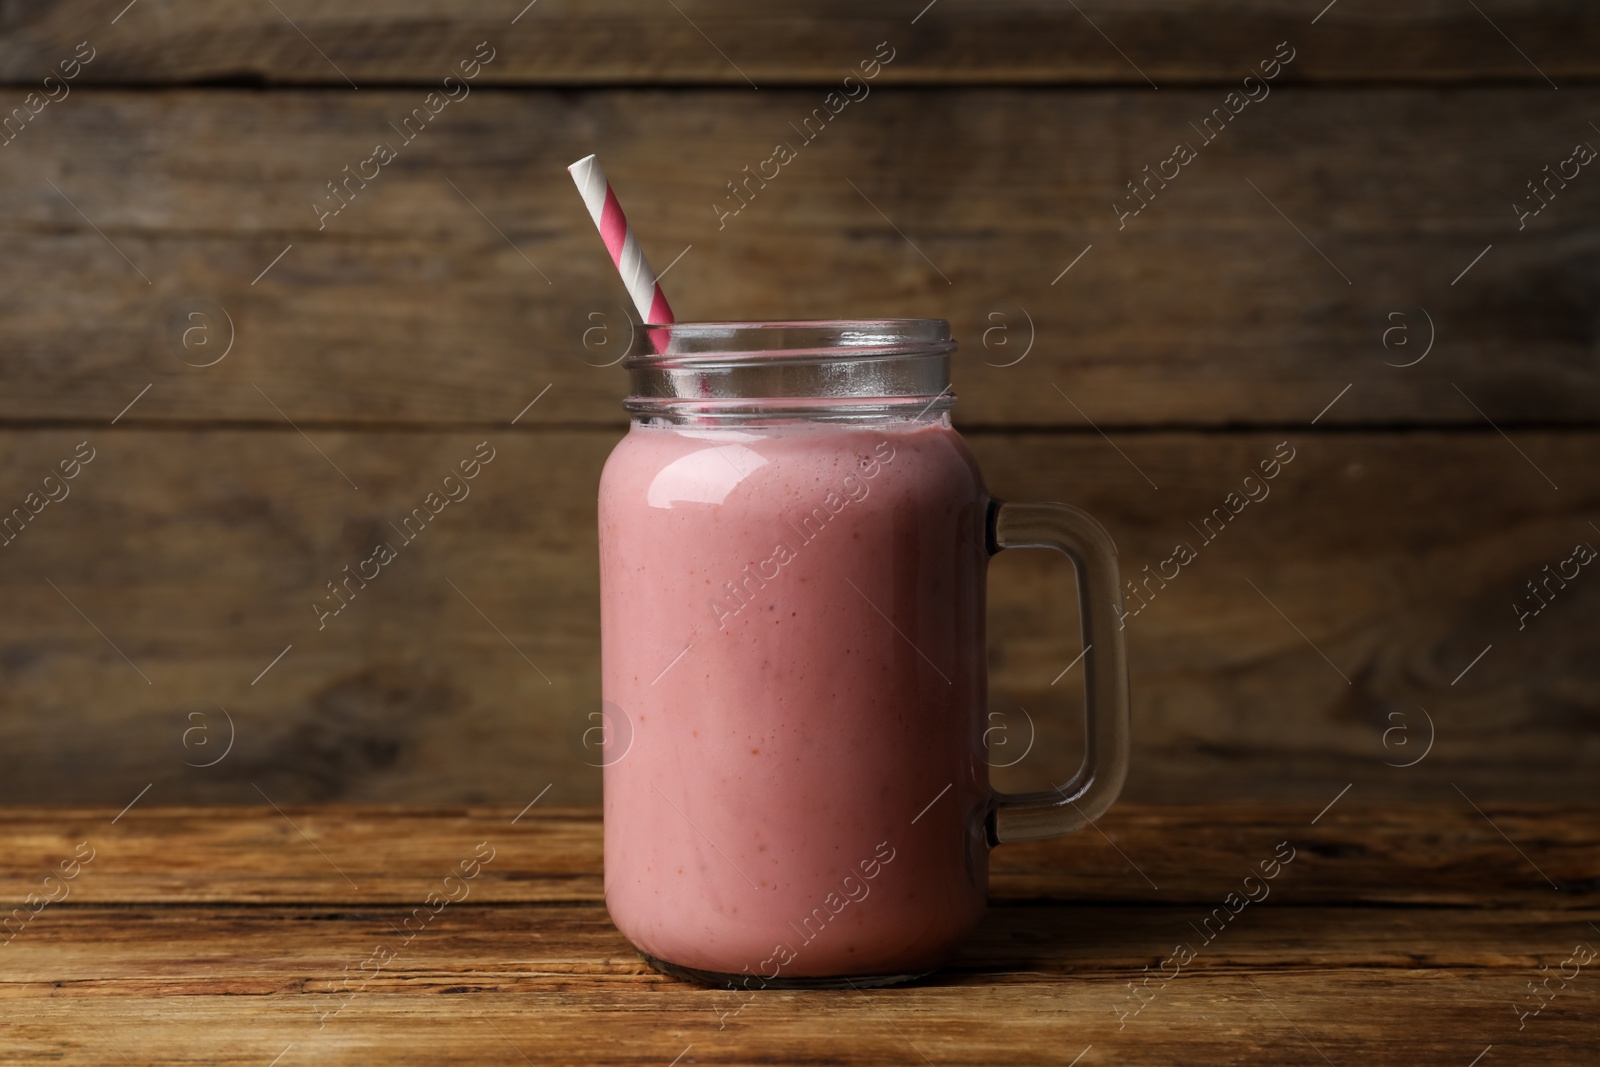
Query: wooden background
point(1324, 639)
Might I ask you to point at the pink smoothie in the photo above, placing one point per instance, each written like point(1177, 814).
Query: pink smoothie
point(792, 624)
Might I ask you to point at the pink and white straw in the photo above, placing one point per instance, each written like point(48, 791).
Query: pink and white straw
point(620, 242)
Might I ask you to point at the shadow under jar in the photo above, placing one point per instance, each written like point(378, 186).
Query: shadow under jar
point(793, 548)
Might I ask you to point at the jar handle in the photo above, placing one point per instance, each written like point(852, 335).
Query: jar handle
point(1029, 816)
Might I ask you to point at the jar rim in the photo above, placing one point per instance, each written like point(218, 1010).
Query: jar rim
point(727, 373)
point(778, 340)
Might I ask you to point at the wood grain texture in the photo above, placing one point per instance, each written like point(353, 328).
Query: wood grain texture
point(163, 214)
point(1384, 566)
point(409, 308)
point(723, 42)
point(1432, 853)
point(178, 947)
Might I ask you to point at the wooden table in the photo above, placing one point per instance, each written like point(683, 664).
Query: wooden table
point(1403, 934)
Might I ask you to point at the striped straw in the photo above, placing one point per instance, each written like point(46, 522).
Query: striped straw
point(620, 242)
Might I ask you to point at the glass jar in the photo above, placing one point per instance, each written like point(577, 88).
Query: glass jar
point(793, 547)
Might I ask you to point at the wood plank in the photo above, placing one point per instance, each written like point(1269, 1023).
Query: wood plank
point(1207, 309)
point(622, 42)
point(1292, 979)
point(197, 554)
point(1228, 1018)
point(1432, 854)
point(118, 951)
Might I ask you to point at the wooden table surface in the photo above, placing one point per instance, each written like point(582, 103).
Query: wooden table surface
point(1402, 933)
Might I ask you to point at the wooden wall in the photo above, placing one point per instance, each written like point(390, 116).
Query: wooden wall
point(1262, 296)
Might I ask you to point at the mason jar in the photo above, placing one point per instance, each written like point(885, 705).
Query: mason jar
point(793, 549)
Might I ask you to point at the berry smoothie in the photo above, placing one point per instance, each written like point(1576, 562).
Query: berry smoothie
point(793, 646)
